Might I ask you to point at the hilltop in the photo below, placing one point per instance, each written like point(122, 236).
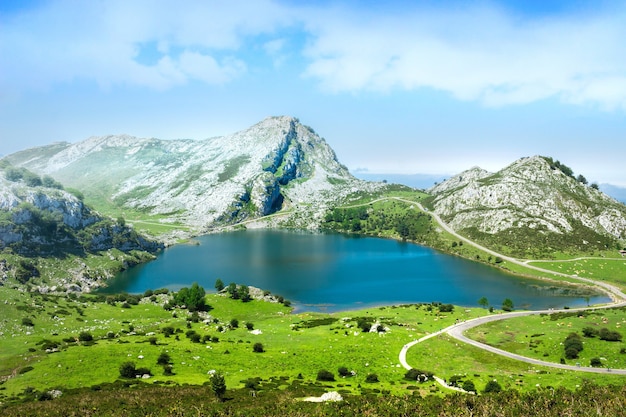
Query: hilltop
point(533, 207)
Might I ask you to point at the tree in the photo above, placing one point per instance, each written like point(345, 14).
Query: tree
point(483, 302)
point(244, 293)
point(234, 323)
point(232, 290)
point(218, 385)
point(192, 298)
point(219, 285)
point(195, 301)
point(581, 179)
point(507, 304)
point(595, 186)
point(258, 348)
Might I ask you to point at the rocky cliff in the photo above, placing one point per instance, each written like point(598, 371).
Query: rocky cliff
point(532, 201)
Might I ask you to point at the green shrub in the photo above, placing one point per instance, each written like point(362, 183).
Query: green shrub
point(324, 375)
point(371, 378)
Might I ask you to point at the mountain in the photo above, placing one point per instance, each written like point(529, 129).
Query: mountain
point(274, 165)
point(532, 207)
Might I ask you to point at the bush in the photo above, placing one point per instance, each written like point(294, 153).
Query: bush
point(343, 371)
point(595, 362)
point(468, 386)
point(234, 323)
point(492, 386)
point(324, 375)
point(418, 375)
point(127, 370)
point(573, 345)
point(85, 337)
point(27, 321)
point(590, 332)
point(371, 378)
point(609, 336)
point(164, 359)
point(249, 326)
point(258, 348)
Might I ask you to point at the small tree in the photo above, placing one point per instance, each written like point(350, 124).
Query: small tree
point(219, 285)
point(234, 323)
point(343, 371)
point(258, 348)
point(249, 326)
point(483, 302)
point(218, 385)
point(596, 362)
point(507, 304)
point(244, 293)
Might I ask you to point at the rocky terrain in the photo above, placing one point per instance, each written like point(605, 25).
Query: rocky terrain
point(530, 199)
point(40, 219)
point(276, 164)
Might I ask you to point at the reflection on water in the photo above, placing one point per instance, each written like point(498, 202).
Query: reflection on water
point(332, 272)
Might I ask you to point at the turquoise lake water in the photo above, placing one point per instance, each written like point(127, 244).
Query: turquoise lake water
point(334, 272)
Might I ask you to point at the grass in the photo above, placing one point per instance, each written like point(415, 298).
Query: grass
point(296, 346)
point(609, 270)
point(541, 337)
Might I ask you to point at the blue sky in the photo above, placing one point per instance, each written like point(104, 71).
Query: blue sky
point(430, 87)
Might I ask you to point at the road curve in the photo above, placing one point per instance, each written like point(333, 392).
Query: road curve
point(457, 330)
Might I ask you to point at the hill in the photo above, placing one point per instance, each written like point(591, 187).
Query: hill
point(532, 208)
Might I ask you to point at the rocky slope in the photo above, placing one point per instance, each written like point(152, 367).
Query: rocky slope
point(275, 164)
point(39, 219)
point(531, 201)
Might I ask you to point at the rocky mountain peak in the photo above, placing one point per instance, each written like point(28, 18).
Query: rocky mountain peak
point(250, 173)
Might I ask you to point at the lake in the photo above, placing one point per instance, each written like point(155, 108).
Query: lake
point(335, 272)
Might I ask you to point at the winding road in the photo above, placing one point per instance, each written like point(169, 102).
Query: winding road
point(458, 330)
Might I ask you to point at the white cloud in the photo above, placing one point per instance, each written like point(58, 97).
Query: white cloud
point(99, 40)
point(474, 54)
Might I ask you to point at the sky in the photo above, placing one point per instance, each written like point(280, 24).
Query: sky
point(407, 87)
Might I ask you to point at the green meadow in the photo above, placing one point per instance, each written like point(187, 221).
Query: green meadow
point(543, 336)
point(294, 347)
